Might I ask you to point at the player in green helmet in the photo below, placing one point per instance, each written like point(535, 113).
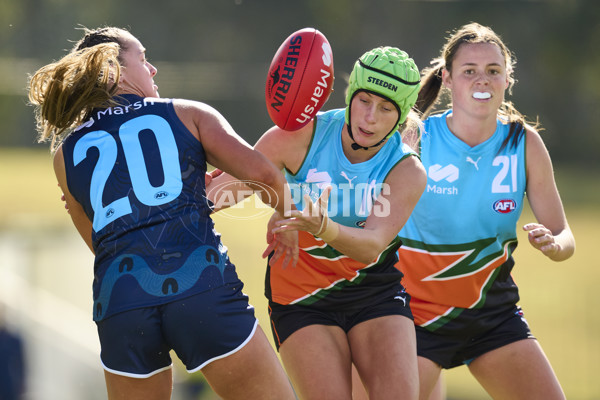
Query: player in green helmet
point(344, 303)
point(387, 72)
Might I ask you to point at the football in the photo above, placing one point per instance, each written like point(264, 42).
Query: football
point(300, 79)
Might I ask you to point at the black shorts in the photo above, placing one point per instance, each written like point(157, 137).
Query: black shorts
point(200, 329)
point(287, 319)
point(457, 349)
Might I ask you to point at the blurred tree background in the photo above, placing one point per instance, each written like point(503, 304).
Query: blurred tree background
point(218, 51)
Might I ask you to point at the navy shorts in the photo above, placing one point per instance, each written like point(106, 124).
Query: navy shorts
point(457, 349)
point(287, 319)
point(200, 329)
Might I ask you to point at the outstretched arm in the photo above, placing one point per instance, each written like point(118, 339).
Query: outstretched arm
point(551, 235)
point(226, 150)
point(405, 185)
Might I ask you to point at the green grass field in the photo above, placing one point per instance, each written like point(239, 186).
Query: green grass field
point(560, 300)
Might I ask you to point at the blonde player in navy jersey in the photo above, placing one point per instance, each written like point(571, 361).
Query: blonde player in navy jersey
point(132, 168)
point(457, 255)
point(356, 183)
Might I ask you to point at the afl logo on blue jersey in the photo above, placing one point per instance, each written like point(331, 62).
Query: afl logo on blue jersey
point(505, 206)
point(361, 224)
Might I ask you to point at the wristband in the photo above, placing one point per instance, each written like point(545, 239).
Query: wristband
point(329, 230)
point(323, 225)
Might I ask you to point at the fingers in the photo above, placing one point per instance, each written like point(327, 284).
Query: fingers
point(215, 172)
point(530, 226)
point(276, 256)
point(310, 219)
point(541, 238)
point(284, 248)
point(271, 246)
point(64, 200)
point(320, 207)
point(286, 260)
point(324, 200)
point(209, 176)
point(310, 209)
point(537, 233)
point(290, 256)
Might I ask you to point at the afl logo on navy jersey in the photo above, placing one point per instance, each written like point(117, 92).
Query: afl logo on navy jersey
point(161, 195)
point(505, 206)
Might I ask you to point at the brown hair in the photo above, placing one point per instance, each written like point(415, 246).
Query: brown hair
point(66, 91)
point(431, 81)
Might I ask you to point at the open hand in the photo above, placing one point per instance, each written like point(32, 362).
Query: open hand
point(311, 219)
point(284, 244)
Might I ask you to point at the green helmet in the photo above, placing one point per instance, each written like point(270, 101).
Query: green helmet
point(390, 73)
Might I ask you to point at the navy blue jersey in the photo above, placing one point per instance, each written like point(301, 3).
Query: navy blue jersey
point(139, 174)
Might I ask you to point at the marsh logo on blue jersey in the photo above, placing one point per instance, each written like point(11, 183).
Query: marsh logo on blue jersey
point(450, 172)
point(320, 178)
point(505, 206)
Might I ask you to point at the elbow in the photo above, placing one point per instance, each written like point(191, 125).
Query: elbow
point(267, 183)
point(269, 180)
point(271, 177)
point(370, 254)
point(266, 173)
point(365, 248)
point(366, 259)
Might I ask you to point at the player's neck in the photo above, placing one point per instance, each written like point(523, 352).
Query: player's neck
point(471, 130)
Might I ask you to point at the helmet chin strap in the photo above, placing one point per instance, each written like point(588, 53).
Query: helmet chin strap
point(356, 146)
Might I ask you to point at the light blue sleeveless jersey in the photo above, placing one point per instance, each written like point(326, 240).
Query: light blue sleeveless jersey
point(354, 186)
point(458, 242)
point(324, 278)
point(476, 191)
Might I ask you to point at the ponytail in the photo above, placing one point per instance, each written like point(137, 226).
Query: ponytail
point(431, 86)
point(65, 92)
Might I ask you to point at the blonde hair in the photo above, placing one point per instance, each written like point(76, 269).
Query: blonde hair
point(66, 91)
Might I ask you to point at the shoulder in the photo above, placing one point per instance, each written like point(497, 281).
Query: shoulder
point(537, 156)
point(533, 136)
point(409, 170)
point(437, 117)
point(197, 117)
point(185, 106)
point(407, 180)
point(533, 141)
point(335, 115)
point(286, 149)
point(434, 123)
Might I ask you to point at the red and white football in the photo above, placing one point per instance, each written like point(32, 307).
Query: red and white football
point(300, 79)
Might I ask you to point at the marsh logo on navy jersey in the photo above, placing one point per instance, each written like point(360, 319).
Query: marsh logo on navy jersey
point(505, 206)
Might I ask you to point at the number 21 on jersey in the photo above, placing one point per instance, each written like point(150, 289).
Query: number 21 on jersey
point(508, 171)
